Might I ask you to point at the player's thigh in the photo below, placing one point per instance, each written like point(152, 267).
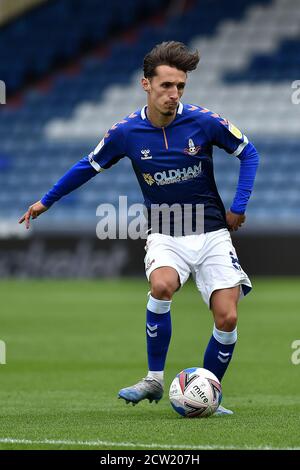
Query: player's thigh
point(220, 268)
point(164, 282)
point(163, 264)
point(224, 299)
point(223, 302)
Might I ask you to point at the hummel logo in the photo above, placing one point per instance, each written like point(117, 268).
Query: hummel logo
point(146, 154)
point(149, 263)
point(235, 262)
point(152, 331)
point(225, 357)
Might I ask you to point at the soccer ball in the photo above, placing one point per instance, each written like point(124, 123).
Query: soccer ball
point(195, 392)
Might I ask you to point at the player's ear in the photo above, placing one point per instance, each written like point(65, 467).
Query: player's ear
point(145, 84)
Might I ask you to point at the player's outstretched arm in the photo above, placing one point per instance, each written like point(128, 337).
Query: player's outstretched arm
point(234, 221)
point(33, 212)
point(79, 174)
point(107, 153)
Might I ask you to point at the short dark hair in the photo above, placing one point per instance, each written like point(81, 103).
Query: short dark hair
point(172, 53)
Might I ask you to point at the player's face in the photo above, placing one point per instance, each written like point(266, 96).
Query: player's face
point(165, 89)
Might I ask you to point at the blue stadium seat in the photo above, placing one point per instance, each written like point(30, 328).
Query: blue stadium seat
point(27, 155)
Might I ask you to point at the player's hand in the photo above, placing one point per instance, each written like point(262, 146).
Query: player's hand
point(234, 221)
point(32, 213)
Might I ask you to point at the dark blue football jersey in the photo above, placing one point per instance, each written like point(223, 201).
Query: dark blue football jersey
point(174, 164)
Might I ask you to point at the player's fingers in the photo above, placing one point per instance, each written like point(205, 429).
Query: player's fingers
point(21, 220)
point(27, 217)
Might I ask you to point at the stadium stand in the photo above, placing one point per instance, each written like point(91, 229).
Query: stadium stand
point(59, 30)
point(249, 58)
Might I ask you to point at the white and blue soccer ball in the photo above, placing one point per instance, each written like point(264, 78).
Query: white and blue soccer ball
point(195, 392)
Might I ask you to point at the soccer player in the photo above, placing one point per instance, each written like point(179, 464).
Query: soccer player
point(170, 146)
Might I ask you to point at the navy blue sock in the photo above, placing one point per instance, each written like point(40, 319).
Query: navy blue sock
point(219, 351)
point(158, 332)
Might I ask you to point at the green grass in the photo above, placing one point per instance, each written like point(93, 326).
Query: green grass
point(71, 345)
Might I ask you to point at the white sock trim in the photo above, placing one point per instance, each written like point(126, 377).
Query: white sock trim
point(158, 306)
point(157, 375)
point(225, 337)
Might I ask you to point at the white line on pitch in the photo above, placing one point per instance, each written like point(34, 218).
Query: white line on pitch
point(8, 440)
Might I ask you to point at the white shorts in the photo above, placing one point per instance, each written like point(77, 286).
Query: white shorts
point(209, 257)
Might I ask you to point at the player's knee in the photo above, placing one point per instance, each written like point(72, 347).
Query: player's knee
point(231, 321)
point(226, 321)
point(162, 290)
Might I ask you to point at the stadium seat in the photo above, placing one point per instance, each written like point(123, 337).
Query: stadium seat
point(54, 128)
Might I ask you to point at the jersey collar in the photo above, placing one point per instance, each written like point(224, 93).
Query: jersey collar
point(143, 110)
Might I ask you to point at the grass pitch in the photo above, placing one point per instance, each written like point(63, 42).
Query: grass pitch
point(71, 345)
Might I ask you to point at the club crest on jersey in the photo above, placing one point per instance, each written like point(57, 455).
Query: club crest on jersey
point(192, 149)
point(146, 154)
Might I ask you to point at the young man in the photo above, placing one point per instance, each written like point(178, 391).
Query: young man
point(170, 146)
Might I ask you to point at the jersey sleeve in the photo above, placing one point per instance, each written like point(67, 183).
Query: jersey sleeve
point(109, 150)
point(225, 135)
point(75, 177)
